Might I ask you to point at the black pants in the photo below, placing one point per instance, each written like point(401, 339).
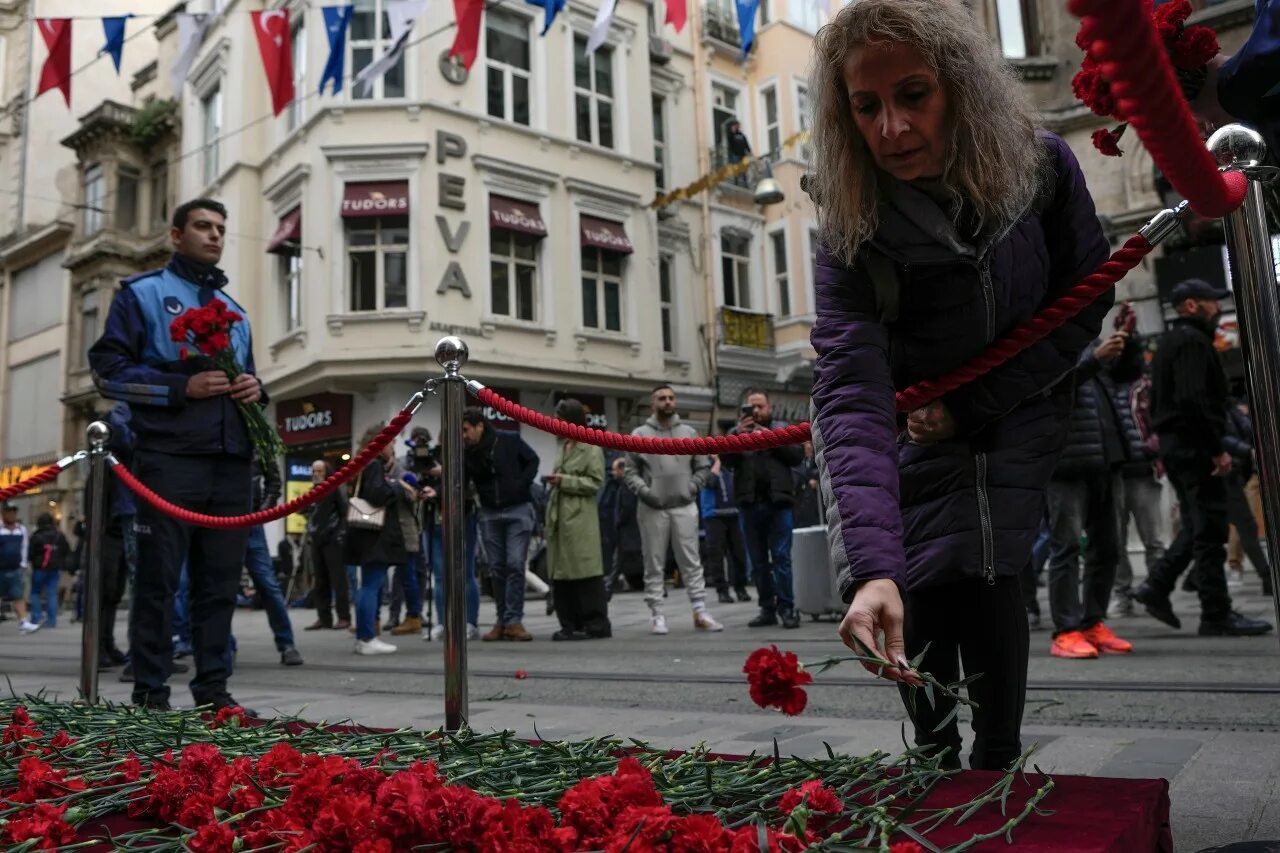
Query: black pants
point(218, 485)
point(115, 572)
point(985, 628)
point(724, 539)
point(583, 605)
point(1087, 504)
point(1240, 514)
point(1202, 502)
point(331, 591)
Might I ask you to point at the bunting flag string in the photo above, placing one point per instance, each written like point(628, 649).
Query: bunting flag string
point(551, 7)
point(748, 11)
point(468, 14)
point(337, 20)
point(113, 31)
point(191, 30)
point(724, 173)
point(275, 44)
point(600, 29)
point(677, 13)
point(401, 16)
point(56, 73)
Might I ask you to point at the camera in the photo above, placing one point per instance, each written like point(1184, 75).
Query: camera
point(420, 459)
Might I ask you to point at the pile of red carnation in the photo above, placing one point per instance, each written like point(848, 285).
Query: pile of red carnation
point(1189, 47)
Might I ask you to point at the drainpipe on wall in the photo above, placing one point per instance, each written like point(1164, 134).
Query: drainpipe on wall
point(26, 127)
point(704, 166)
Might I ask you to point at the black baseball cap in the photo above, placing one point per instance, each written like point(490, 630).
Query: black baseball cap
point(1197, 288)
point(8, 505)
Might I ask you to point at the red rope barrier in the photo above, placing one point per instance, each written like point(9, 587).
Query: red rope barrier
point(253, 519)
point(47, 475)
point(1123, 39)
point(1045, 321)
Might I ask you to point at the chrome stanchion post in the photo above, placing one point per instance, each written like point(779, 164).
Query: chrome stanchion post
point(97, 433)
point(451, 353)
point(1258, 303)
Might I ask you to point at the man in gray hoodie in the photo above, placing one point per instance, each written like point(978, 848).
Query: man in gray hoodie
point(667, 488)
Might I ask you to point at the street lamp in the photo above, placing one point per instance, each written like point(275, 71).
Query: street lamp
point(767, 189)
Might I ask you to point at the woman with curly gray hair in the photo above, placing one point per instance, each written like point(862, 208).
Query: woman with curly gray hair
point(947, 219)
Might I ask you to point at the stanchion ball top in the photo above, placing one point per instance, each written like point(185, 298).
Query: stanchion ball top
point(452, 352)
point(98, 434)
point(1237, 146)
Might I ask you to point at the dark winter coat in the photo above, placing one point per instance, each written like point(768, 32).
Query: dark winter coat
point(48, 549)
point(503, 468)
point(328, 521)
point(1102, 436)
point(364, 546)
point(776, 465)
point(1189, 392)
point(1238, 441)
point(969, 506)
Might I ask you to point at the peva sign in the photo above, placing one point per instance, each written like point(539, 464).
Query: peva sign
point(317, 418)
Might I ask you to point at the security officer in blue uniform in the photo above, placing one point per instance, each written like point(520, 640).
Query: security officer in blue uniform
point(191, 447)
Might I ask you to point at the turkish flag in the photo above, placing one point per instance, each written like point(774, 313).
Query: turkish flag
point(275, 43)
point(677, 13)
point(56, 73)
point(468, 14)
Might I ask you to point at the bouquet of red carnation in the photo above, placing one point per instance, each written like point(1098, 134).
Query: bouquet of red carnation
point(208, 329)
point(1190, 48)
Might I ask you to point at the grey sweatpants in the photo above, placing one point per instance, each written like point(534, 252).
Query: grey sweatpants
point(676, 529)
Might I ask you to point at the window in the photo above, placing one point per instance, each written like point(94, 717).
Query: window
point(33, 410)
point(778, 239)
point(507, 57)
point(593, 93)
point(36, 302)
point(601, 289)
point(377, 256)
point(370, 38)
point(93, 195)
point(296, 112)
point(211, 129)
point(127, 179)
point(802, 118)
point(89, 328)
point(724, 109)
point(772, 126)
point(160, 195)
point(735, 251)
point(1016, 22)
point(660, 141)
point(513, 266)
point(808, 15)
point(290, 270)
point(665, 306)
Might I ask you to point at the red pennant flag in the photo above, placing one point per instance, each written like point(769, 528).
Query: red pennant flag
point(275, 43)
point(468, 14)
point(56, 73)
point(677, 13)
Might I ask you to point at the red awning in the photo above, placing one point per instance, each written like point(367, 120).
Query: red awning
point(287, 238)
point(603, 234)
point(383, 198)
point(514, 215)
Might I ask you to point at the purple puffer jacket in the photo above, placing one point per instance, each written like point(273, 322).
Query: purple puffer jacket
point(971, 506)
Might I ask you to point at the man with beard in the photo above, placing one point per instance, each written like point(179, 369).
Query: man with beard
point(1189, 399)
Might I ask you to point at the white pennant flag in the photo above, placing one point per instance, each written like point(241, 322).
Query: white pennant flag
point(401, 16)
point(600, 29)
point(191, 30)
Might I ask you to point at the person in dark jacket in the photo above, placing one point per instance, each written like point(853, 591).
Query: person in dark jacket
point(629, 556)
point(1242, 86)
point(377, 549)
point(607, 510)
point(808, 511)
point(735, 141)
point(945, 183)
point(503, 468)
point(192, 447)
point(765, 490)
point(722, 526)
point(1189, 399)
point(326, 534)
point(1238, 441)
point(267, 486)
point(47, 553)
point(1082, 496)
point(118, 544)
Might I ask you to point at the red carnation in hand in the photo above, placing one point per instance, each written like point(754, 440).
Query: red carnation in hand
point(1108, 141)
point(774, 679)
point(1194, 48)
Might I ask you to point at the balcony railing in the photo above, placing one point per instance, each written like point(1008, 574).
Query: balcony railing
point(722, 25)
point(748, 329)
point(719, 157)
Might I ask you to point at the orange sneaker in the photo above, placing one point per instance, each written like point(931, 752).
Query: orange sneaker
point(1102, 637)
point(1072, 645)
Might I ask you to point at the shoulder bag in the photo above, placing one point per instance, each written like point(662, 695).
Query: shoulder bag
point(362, 515)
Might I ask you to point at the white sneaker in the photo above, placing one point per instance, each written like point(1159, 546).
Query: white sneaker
point(704, 621)
point(437, 633)
point(659, 624)
point(473, 632)
point(29, 627)
point(373, 647)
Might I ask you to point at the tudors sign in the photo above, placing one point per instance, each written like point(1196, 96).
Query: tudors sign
point(309, 420)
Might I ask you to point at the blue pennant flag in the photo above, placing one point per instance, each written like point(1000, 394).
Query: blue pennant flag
point(552, 7)
point(113, 28)
point(337, 19)
point(747, 12)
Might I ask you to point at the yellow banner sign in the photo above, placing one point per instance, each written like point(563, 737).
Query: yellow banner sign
point(296, 523)
point(743, 329)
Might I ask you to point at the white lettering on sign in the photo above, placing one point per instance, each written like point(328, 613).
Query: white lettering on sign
point(492, 414)
point(517, 218)
point(311, 420)
point(377, 202)
point(607, 237)
point(595, 421)
point(298, 471)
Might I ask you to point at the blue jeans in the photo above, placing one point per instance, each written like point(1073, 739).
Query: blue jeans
point(44, 583)
point(182, 613)
point(373, 577)
point(257, 558)
point(407, 580)
point(767, 529)
point(506, 535)
point(437, 570)
point(353, 581)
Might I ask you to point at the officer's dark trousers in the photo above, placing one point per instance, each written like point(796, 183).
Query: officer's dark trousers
point(217, 485)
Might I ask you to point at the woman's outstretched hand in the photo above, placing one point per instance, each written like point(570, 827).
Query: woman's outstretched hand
point(876, 611)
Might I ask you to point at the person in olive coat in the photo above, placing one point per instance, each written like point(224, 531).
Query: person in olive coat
point(574, 562)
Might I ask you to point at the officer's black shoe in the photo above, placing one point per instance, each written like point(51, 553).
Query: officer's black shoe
point(224, 700)
point(1157, 605)
point(1235, 625)
point(569, 636)
point(290, 656)
point(790, 619)
point(764, 620)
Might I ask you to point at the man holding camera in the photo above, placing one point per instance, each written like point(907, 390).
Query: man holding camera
point(668, 487)
point(765, 490)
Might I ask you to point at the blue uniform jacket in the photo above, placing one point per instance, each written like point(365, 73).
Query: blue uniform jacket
point(137, 362)
point(1249, 82)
